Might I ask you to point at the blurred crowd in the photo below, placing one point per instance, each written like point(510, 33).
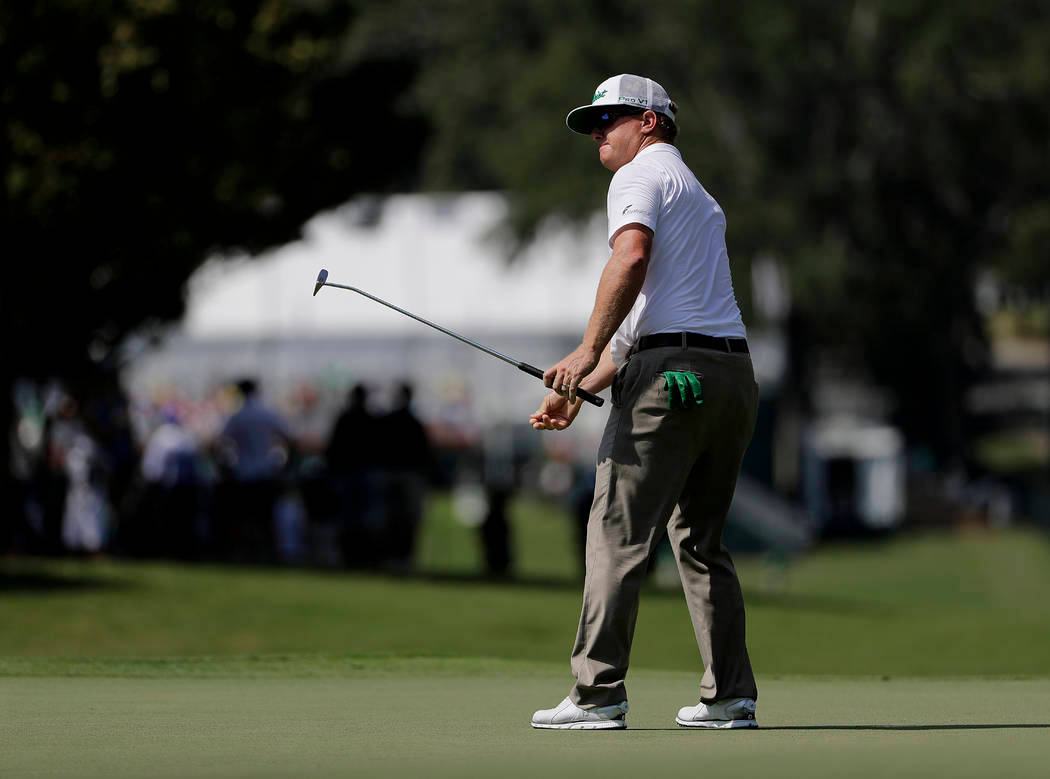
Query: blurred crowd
point(315, 473)
point(233, 479)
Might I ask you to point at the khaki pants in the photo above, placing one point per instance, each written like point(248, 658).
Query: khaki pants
point(673, 468)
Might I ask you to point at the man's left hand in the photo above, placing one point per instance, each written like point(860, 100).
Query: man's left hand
point(565, 377)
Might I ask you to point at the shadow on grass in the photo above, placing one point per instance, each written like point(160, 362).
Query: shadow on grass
point(810, 603)
point(901, 728)
point(33, 579)
point(41, 582)
point(814, 603)
point(1000, 726)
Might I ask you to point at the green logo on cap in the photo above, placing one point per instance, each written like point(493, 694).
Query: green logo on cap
point(599, 95)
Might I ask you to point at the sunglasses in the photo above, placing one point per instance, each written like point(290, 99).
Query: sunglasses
point(606, 120)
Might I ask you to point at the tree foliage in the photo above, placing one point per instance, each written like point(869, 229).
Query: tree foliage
point(884, 150)
point(143, 134)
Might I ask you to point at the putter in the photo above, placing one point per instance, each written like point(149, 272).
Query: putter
point(532, 370)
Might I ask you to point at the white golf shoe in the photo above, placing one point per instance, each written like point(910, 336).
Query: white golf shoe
point(728, 713)
point(568, 716)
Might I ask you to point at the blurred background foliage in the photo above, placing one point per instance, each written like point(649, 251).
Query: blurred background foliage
point(885, 151)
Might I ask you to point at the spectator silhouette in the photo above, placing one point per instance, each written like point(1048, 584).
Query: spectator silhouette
point(169, 520)
point(107, 418)
point(498, 473)
point(256, 442)
point(353, 466)
point(86, 516)
point(581, 496)
point(48, 489)
point(407, 461)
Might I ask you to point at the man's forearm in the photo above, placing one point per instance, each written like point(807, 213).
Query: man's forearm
point(602, 375)
point(589, 364)
point(618, 288)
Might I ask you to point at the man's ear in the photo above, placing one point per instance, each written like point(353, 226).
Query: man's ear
point(649, 122)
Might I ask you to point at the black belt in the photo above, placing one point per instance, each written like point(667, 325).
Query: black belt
point(697, 340)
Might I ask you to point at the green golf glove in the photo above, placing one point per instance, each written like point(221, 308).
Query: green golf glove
point(683, 389)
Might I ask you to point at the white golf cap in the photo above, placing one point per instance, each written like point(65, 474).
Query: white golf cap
point(625, 91)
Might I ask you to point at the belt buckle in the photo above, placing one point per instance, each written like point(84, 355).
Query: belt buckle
point(729, 346)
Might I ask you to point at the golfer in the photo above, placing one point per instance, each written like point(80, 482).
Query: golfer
point(666, 333)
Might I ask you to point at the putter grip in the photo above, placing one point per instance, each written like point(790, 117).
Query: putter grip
point(590, 397)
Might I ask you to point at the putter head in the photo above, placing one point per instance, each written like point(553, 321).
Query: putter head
point(322, 277)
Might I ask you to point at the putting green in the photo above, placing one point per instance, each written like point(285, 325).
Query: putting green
point(128, 669)
point(432, 718)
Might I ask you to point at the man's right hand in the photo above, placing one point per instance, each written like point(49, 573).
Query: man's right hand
point(555, 412)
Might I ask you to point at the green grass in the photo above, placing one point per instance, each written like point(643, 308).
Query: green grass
point(464, 723)
point(541, 531)
point(922, 656)
point(934, 605)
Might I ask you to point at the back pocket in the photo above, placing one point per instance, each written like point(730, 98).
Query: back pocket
point(683, 389)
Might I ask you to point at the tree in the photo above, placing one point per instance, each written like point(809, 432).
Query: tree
point(142, 135)
point(886, 151)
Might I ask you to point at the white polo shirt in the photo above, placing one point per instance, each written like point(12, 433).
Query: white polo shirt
point(687, 286)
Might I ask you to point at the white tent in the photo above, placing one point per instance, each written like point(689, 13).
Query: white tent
point(438, 256)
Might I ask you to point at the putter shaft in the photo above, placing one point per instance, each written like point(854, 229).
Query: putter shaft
point(444, 330)
point(532, 370)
